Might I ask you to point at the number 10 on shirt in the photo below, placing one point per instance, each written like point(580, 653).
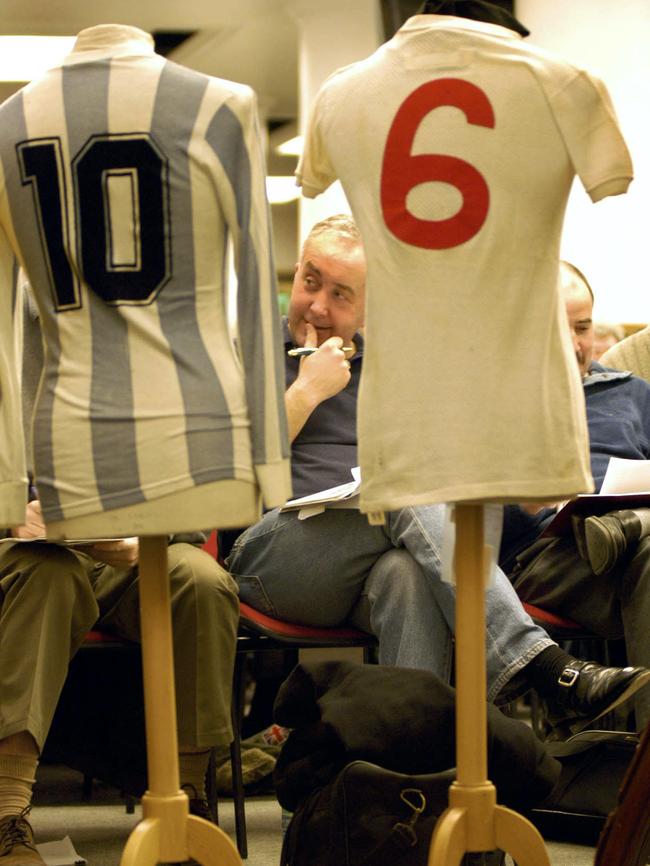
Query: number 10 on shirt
point(121, 214)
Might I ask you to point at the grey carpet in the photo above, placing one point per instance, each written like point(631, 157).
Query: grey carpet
point(99, 828)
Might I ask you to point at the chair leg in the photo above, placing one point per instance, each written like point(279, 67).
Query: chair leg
point(87, 787)
point(237, 710)
point(211, 786)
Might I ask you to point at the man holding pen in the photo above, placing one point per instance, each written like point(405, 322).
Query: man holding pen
point(335, 567)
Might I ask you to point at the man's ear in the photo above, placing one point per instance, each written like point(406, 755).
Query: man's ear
point(295, 268)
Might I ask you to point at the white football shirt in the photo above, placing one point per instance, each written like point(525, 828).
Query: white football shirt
point(122, 175)
point(456, 144)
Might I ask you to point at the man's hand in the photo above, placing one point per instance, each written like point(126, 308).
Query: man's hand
point(321, 376)
point(119, 554)
point(33, 527)
point(327, 371)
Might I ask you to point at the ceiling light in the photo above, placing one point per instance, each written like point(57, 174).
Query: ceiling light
point(284, 139)
point(292, 147)
point(281, 189)
point(23, 58)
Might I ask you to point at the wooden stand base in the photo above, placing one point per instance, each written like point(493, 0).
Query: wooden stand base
point(474, 821)
point(167, 833)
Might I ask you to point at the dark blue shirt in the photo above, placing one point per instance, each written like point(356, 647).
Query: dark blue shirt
point(325, 450)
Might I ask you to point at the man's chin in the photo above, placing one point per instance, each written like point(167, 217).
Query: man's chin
point(323, 334)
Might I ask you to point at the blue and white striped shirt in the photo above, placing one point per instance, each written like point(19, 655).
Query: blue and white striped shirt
point(122, 175)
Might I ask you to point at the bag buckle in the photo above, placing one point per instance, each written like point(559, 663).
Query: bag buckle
point(415, 800)
point(568, 677)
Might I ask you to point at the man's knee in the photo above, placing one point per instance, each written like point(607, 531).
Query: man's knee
point(46, 567)
point(195, 573)
point(394, 573)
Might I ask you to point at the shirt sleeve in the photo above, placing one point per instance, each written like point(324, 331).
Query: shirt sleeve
point(13, 471)
point(258, 316)
point(315, 172)
point(588, 124)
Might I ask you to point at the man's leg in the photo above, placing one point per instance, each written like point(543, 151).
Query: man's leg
point(313, 571)
point(551, 574)
point(307, 571)
point(635, 613)
point(613, 605)
point(46, 608)
point(205, 617)
point(397, 605)
point(577, 692)
point(513, 640)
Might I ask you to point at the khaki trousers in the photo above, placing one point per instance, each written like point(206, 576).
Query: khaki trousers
point(50, 596)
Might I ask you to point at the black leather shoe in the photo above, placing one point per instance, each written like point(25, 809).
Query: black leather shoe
point(607, 538)
point(586, 690)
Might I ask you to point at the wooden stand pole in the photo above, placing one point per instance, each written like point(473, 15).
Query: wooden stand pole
point(474, 821)
point(167, 833)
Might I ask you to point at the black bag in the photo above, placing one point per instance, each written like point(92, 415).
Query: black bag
point(593, 766)
point(369, 816)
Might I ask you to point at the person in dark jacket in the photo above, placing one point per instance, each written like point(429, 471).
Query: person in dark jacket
point(600, 577)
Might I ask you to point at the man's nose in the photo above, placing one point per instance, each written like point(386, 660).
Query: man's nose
point(319, 304)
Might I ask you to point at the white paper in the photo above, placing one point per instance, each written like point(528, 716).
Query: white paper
point(61, 852)
point(626, 476)
point(338, 494)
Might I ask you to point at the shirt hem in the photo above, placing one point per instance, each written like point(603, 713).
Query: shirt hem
point(507, 492)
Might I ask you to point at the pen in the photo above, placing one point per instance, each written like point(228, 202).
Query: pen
point(303, 351)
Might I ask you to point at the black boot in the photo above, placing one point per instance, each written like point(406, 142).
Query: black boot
point(607, 538)
point(584, 691)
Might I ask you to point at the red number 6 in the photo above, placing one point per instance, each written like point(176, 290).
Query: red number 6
point(401, 171)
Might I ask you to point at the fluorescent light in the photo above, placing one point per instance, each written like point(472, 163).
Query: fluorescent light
point(292, 147)
point(23, 58)
point(281, 189)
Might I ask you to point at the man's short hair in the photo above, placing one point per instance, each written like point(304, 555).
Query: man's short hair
point(339, 224)
point(578, 273)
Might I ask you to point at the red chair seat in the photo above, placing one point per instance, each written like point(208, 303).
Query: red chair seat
point(291, 632)
point(548, 619)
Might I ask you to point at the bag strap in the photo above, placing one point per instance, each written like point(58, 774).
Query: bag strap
point(402, 834)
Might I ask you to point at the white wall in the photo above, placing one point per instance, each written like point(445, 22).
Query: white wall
point(609, 241)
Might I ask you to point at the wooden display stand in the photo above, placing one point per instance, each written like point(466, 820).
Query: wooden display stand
point(167, 833)
point(473, 821)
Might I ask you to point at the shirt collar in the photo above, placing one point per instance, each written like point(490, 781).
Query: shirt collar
point(110, 39)
point(597, 374)
point(454, 22)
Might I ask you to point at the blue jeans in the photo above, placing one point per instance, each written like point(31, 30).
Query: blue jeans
point(330, 569)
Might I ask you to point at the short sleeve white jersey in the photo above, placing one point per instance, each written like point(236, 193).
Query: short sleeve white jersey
point(122, 176)
point(456, 144)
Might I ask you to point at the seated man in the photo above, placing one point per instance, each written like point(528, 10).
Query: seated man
point(315, 571)
point(607, 591)
point(50, 596)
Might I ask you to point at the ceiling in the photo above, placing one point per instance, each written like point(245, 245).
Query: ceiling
point(251, 41)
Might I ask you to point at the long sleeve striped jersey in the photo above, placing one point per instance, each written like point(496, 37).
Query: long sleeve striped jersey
point(122, 175)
